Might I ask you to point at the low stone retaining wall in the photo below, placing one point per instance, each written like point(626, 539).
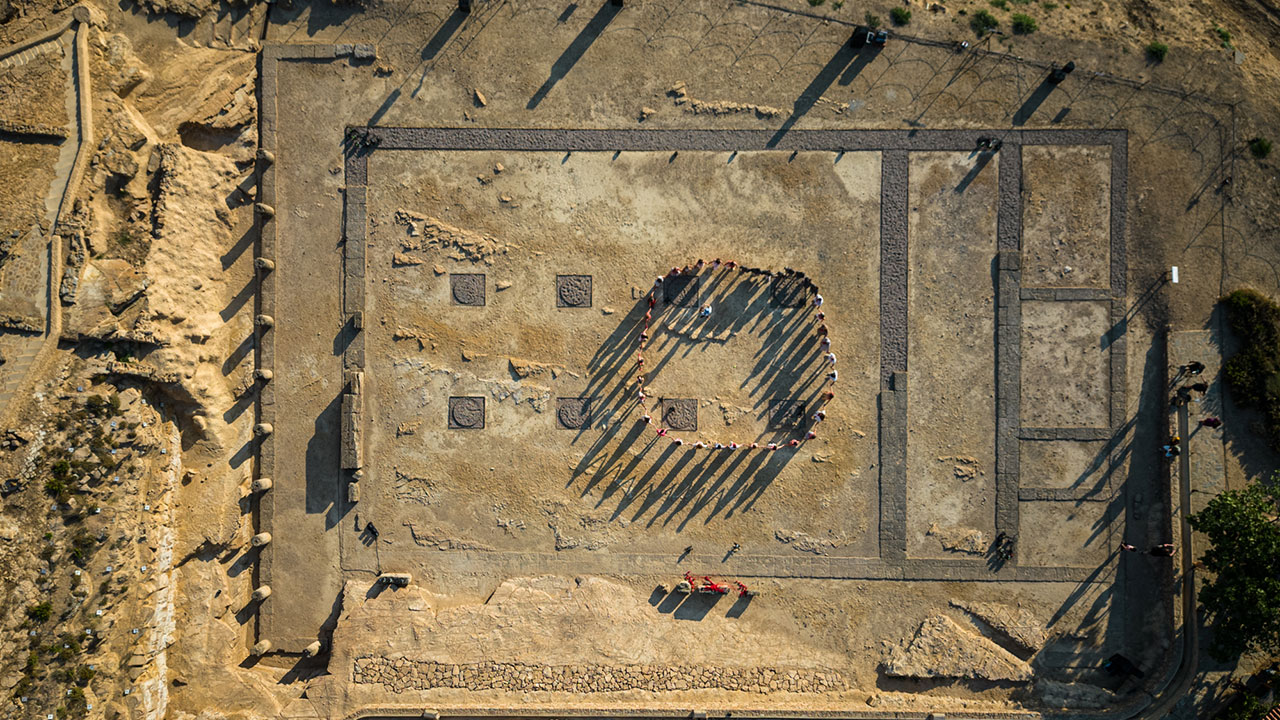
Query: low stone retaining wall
point(400, 674)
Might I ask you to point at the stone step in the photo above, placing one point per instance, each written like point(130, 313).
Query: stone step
point(28, 55)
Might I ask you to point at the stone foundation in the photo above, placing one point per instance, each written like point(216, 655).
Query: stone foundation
point(399, 675)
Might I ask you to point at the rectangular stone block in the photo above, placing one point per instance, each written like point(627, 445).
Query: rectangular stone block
point(1009, 315)
point(267, 186)
point(267, 395)
point(1006, 404)
point(352, 420)
point(353, 358)
point(1064, 294)
point(1068, 433)
point(353, 296)
point(354, 380)
point(352, 457)
point(267, 454)
point(1010, 260)
point(1008, 291)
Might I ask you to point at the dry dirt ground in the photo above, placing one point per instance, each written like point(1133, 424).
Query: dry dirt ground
point(998, 317)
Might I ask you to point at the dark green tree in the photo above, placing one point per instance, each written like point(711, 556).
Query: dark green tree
point(1242, 596)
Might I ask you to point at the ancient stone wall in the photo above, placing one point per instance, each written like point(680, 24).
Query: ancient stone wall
point(401, 674)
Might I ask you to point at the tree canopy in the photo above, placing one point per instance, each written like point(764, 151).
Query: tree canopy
point(1242, 597)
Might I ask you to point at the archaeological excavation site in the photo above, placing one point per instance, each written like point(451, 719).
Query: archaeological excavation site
point(378, 359)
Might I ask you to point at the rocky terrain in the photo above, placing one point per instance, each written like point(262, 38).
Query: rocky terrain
point(127, 342)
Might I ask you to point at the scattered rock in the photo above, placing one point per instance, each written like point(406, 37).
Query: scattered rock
point(424, 233)
point(498, 168)
point(606, 310)
point(122, 284)
point(943, 649)
point(680, 95)
point(480, 98)
point(966, 468)
point(1015, 623)
point(70, 284)
point(1074, 695)
point(959, 539)
point(522, 368)
point(502, 284)
point(805, 542)
point(402, 259)
point(438, 269)
point(646, 113)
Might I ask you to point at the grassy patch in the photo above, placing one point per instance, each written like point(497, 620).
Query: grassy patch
point(81, 546)
point(57, 489)
point(873, 21)
point(1049, 5)
point(1157, 50)
point(1023, 24)
point(1260, 147)
point(983, 22)
point(1224, 35)
point(41, 612)
point(1002, 4)
point(900, 16)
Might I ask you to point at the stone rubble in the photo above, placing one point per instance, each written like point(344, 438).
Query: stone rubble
point(401, 674)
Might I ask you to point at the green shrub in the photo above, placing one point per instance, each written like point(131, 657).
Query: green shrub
point(124, 237)
point(900, 16)
point(1023, 24)
point(1002, 4)
point(983, 22)
point(1224, 35)
point(41, 612)
point(1240, 567)
point(1260, 147)
point(61, 469)
point(1157, 50)
point(816, 3)
point(68, 648)
point(55, 487)
point(1049, 5)
point(1253, 373)
point(76, 698)
point(81, 547)
point(873, 21)
point(1246, 706)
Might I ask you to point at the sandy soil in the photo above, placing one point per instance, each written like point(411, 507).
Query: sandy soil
point(176, 97)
